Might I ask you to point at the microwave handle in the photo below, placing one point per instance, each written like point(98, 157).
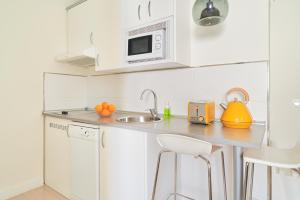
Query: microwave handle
point(139, 11)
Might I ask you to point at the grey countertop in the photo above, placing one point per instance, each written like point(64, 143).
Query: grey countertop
point(214, 133)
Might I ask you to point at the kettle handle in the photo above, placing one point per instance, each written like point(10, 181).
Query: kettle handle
point(240, 90)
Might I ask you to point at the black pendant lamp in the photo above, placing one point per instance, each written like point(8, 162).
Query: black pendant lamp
point(210, 12)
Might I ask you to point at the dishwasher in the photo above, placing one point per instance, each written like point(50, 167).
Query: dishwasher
point(85, 156)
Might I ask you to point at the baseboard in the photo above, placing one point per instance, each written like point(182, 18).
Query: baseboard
point(12, 191)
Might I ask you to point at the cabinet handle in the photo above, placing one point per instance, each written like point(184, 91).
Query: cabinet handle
point(149, 8)
point(102, 139)
point(139, 11)
point(97, 59)
point(68, 133)
point(91, 38)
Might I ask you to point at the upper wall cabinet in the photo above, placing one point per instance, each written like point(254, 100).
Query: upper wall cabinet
point(157, 34)
point(94, 34)
point(80, 28)
point(107, 23)
point(108, 33)
point(242, 37)
point(80, 35)
point(138, 12)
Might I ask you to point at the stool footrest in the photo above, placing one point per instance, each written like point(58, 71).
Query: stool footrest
point(181, 195)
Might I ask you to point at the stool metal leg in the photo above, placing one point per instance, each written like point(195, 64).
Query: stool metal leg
point(156, 174)
point(180, 195)
point(251, 180)
point(175, 175)
point(224, 176)
point(175, 194)
point(269, 183)
point(248, 184)
point(209, 181)
point(209, 176)
point(246, 181)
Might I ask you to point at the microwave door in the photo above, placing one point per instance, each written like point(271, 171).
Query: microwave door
point(146, 47)
point(140, 46)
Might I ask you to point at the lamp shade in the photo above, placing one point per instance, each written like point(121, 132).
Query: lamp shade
point(210, 12)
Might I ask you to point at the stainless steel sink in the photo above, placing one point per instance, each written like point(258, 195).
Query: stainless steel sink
point(138, 119)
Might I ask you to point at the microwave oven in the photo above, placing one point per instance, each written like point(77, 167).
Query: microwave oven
point(148, 43)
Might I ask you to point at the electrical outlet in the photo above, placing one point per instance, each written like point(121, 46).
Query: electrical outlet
point(284, 172)
point(296, 102)
point(296, 174)
point(287, 172)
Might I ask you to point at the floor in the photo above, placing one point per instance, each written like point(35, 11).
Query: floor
point(42, 193)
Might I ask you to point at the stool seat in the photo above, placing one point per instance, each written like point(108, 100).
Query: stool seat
point(271, 156)
point(186, 145)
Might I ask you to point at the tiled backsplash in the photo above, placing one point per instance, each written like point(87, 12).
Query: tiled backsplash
point(64, 91)
point(182, 85)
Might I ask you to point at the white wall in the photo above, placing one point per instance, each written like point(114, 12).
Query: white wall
point(31, 35)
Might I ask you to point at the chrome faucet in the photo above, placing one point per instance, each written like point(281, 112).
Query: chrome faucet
point(153, 111)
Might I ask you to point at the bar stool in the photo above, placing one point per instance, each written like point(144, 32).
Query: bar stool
point(180, 144)
point(271, 157)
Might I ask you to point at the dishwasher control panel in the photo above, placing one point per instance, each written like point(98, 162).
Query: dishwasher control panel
point(83, 132)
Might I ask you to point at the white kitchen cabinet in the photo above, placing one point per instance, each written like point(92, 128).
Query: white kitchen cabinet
point(127, 165)
point(57, 155)
point(138, 12)
point(134, 12)
point(176, 14)
point(242, 37)
point(158, 9)
point(94, 34)
point(108, 38)
point(80, 28)
point(122, 164)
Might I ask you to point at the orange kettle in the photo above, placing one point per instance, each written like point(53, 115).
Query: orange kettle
point(236, 113)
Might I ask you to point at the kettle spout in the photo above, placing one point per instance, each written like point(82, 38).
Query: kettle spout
point(223, 106)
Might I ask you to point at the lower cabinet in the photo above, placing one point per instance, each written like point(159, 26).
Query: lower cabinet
point(57, 155)
point(127, 165)
point(122, 164)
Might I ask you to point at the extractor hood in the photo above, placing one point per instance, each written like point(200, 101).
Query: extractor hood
point(86, 58)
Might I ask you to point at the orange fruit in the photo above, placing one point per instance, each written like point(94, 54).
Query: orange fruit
point(105, 105)
point(112, 108)
point(105, 113)
point(99, 108)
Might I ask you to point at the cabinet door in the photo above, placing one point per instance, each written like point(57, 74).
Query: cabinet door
point(57, 155)
point(122, 164)
point(134, 12)
point(108, 33)
point(158, 9)
point(80, 28)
